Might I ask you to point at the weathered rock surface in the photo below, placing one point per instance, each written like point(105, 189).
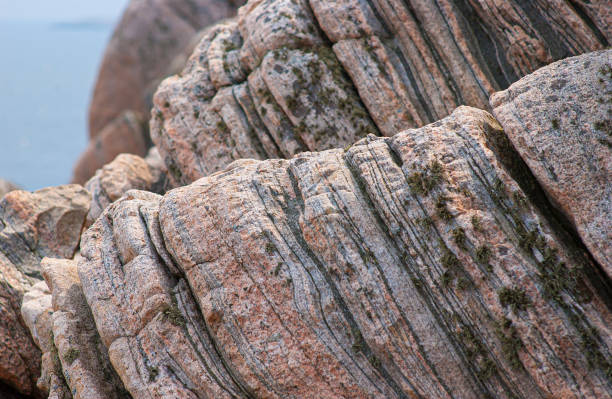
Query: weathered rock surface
point(560, 121)
point(47, 222)
point(37, 312)
point(294, 75)
point(152, 41)
point(409, 266)
point(126, 172)
point(429, 263)
point(125, 134)
point(6, 187)
point(146, 41)
point(83, 357)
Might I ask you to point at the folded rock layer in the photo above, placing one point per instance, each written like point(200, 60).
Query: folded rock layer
point(289, 76)
point(151, 42)
point(149, 36)
point(409, 266)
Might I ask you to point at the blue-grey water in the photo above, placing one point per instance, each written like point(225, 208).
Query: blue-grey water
point(47, 73)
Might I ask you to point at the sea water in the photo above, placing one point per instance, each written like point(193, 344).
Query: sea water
point(47, 74)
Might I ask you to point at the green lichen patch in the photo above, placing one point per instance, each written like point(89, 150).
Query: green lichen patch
point(475, 350)
point(589, 341)
point(358, 342)
point(514, 297)
point(71, 355)
point(483, 254)
point(604, 126)
point(153, 372)
point(477, 224)
point(511, 342)
point(174, 316)
point(459, 237)
point(442, 210)
point(270, 248)
point(423, 182)
point(222, 127)
point(555, 123)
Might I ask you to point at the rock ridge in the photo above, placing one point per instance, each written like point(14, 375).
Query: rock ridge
point(289, 76)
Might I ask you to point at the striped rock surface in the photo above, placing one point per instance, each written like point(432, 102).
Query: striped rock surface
point(289, 76)
point(427, 264)
point(152, 41)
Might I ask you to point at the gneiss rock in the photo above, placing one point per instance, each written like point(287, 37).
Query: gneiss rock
point(152, 41)
point(146, 41)
point(37, 312)
point(409, 266)
point(294, 75)
point(126, 172)
point(47, 222)
point(83, 357)
point(560, 121)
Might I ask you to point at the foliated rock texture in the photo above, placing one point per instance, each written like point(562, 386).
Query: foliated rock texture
point(47, 222)
point(37, 312)
point(560, 121)
point(83, 358)
point(126, 172)
point(125, 134)
point(289, 76)
point(401, 267)
point(149, 36)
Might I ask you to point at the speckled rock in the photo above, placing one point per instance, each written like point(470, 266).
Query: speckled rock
point(47, 222)
point(37, 312)
point(125, 134)
point(126, 172)
point(84, 359)
point(149, 36)
point(560, 121)
point(294, 75)
point(409, 266)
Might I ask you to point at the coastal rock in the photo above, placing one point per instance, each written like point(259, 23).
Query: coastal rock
point(125, 134)
point(126, 172)
point(47, 222)
point(37, 312)
point(149, 36)
point(559, 119)
point(83, 357)
point(6, 187)
point(408, 266)
point(289, 76)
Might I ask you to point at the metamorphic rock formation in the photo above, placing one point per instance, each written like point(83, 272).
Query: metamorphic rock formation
point(346, 199)
point(152, 38)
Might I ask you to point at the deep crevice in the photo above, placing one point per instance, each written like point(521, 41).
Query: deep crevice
point(508, 156)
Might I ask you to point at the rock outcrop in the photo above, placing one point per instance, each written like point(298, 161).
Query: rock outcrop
point(152, 37)
point(76, 343)
point(149, 36)
point(74, 362)
point(394, 244)
point(47, 222)
point(126, 172)
point(410, 266)
point(560, 121)
point(294, 75)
